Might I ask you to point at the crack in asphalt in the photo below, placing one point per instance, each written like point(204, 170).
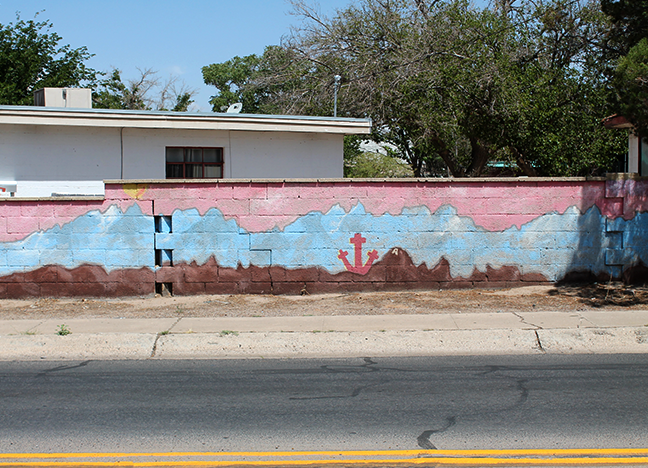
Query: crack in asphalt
point(368, 363)
point(62, 368)
point(341, 369)
point(424, 439)
point(524, 393)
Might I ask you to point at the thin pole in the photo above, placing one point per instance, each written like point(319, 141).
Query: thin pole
point(336, 85)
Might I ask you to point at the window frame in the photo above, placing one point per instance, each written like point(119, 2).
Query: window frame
point(187, 150)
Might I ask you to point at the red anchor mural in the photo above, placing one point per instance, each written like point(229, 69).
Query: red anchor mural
point(359, 268)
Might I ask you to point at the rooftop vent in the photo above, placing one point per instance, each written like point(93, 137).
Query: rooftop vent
point(77, 98)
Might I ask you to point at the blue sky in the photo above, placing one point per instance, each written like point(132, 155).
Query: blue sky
point(172, 37)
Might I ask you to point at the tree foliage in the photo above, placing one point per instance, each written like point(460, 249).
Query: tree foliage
point(265, 84)
point(628, 42)
point(32, 57)
point(377, 165)
point(147, 92)
point(629, 23)
point(631, 86)
point(452, 86)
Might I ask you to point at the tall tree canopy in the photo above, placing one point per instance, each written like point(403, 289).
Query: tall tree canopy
point(628, 41)
point(629, 23)
point(32, 57)
point(451, 86)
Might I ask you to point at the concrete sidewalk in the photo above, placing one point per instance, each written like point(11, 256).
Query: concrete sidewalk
point(609, 331)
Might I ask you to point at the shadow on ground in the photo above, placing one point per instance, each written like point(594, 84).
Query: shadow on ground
point(614, 294)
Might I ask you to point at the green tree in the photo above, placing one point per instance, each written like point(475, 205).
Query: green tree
point(32, 57)
point(452, 86)
point(232, 79)
point(562, 93)
point(630, 83)
point(629, 23)
point(370, 165)
point(628, 42)
point(264, 84)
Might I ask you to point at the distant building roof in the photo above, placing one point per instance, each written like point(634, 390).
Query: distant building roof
point(616, 121)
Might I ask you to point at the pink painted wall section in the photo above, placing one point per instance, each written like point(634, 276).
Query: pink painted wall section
point(631, 196)
point(262, 206)
point(493, 205)
point(19, 218)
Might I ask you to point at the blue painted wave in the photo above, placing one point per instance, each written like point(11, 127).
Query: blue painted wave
point(551, 245)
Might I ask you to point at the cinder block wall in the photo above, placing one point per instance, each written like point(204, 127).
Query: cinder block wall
point(258, 236)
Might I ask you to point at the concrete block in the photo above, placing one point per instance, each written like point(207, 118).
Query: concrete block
point(121, 259)
point(612, 225)
point(145, 257)
point(36, 210)
point(260, 257)
point(187, 221)
point(249, 191)
point(214, 223)
point(233, 207)
point(620, 257)
point(136, 240)
point(23, 258)
point(21, 225)
point(10, 210)
point(93, 257)
point(22, 290)
point(166, 240)
point(95, 241)
point(140, 224)
point(165, 206)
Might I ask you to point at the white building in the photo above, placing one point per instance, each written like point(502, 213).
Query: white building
point(62, 150)
point(637, 160)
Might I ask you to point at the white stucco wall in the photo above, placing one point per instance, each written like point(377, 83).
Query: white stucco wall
point(286, 155)
point(145, 149)
point(246, 154)
point(31, 155)
point(35, 152)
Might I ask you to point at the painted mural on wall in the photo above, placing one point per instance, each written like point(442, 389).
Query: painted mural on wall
point(231, 237)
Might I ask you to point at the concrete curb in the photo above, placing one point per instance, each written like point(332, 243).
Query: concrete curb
point(105, 346)
point(347, 344)
point(137, 346)
point(624, 340)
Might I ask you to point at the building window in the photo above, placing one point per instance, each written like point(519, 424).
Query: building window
point(194, 163)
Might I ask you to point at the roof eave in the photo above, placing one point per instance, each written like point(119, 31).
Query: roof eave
point(185, 121)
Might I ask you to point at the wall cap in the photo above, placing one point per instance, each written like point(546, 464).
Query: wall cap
point(411, 180)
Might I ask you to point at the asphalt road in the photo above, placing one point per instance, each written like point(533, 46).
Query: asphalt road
point(266, 405)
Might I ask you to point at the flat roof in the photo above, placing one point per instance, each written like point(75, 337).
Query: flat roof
point(113, 118)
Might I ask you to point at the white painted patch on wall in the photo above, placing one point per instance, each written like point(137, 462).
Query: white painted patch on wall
point(49, 188)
